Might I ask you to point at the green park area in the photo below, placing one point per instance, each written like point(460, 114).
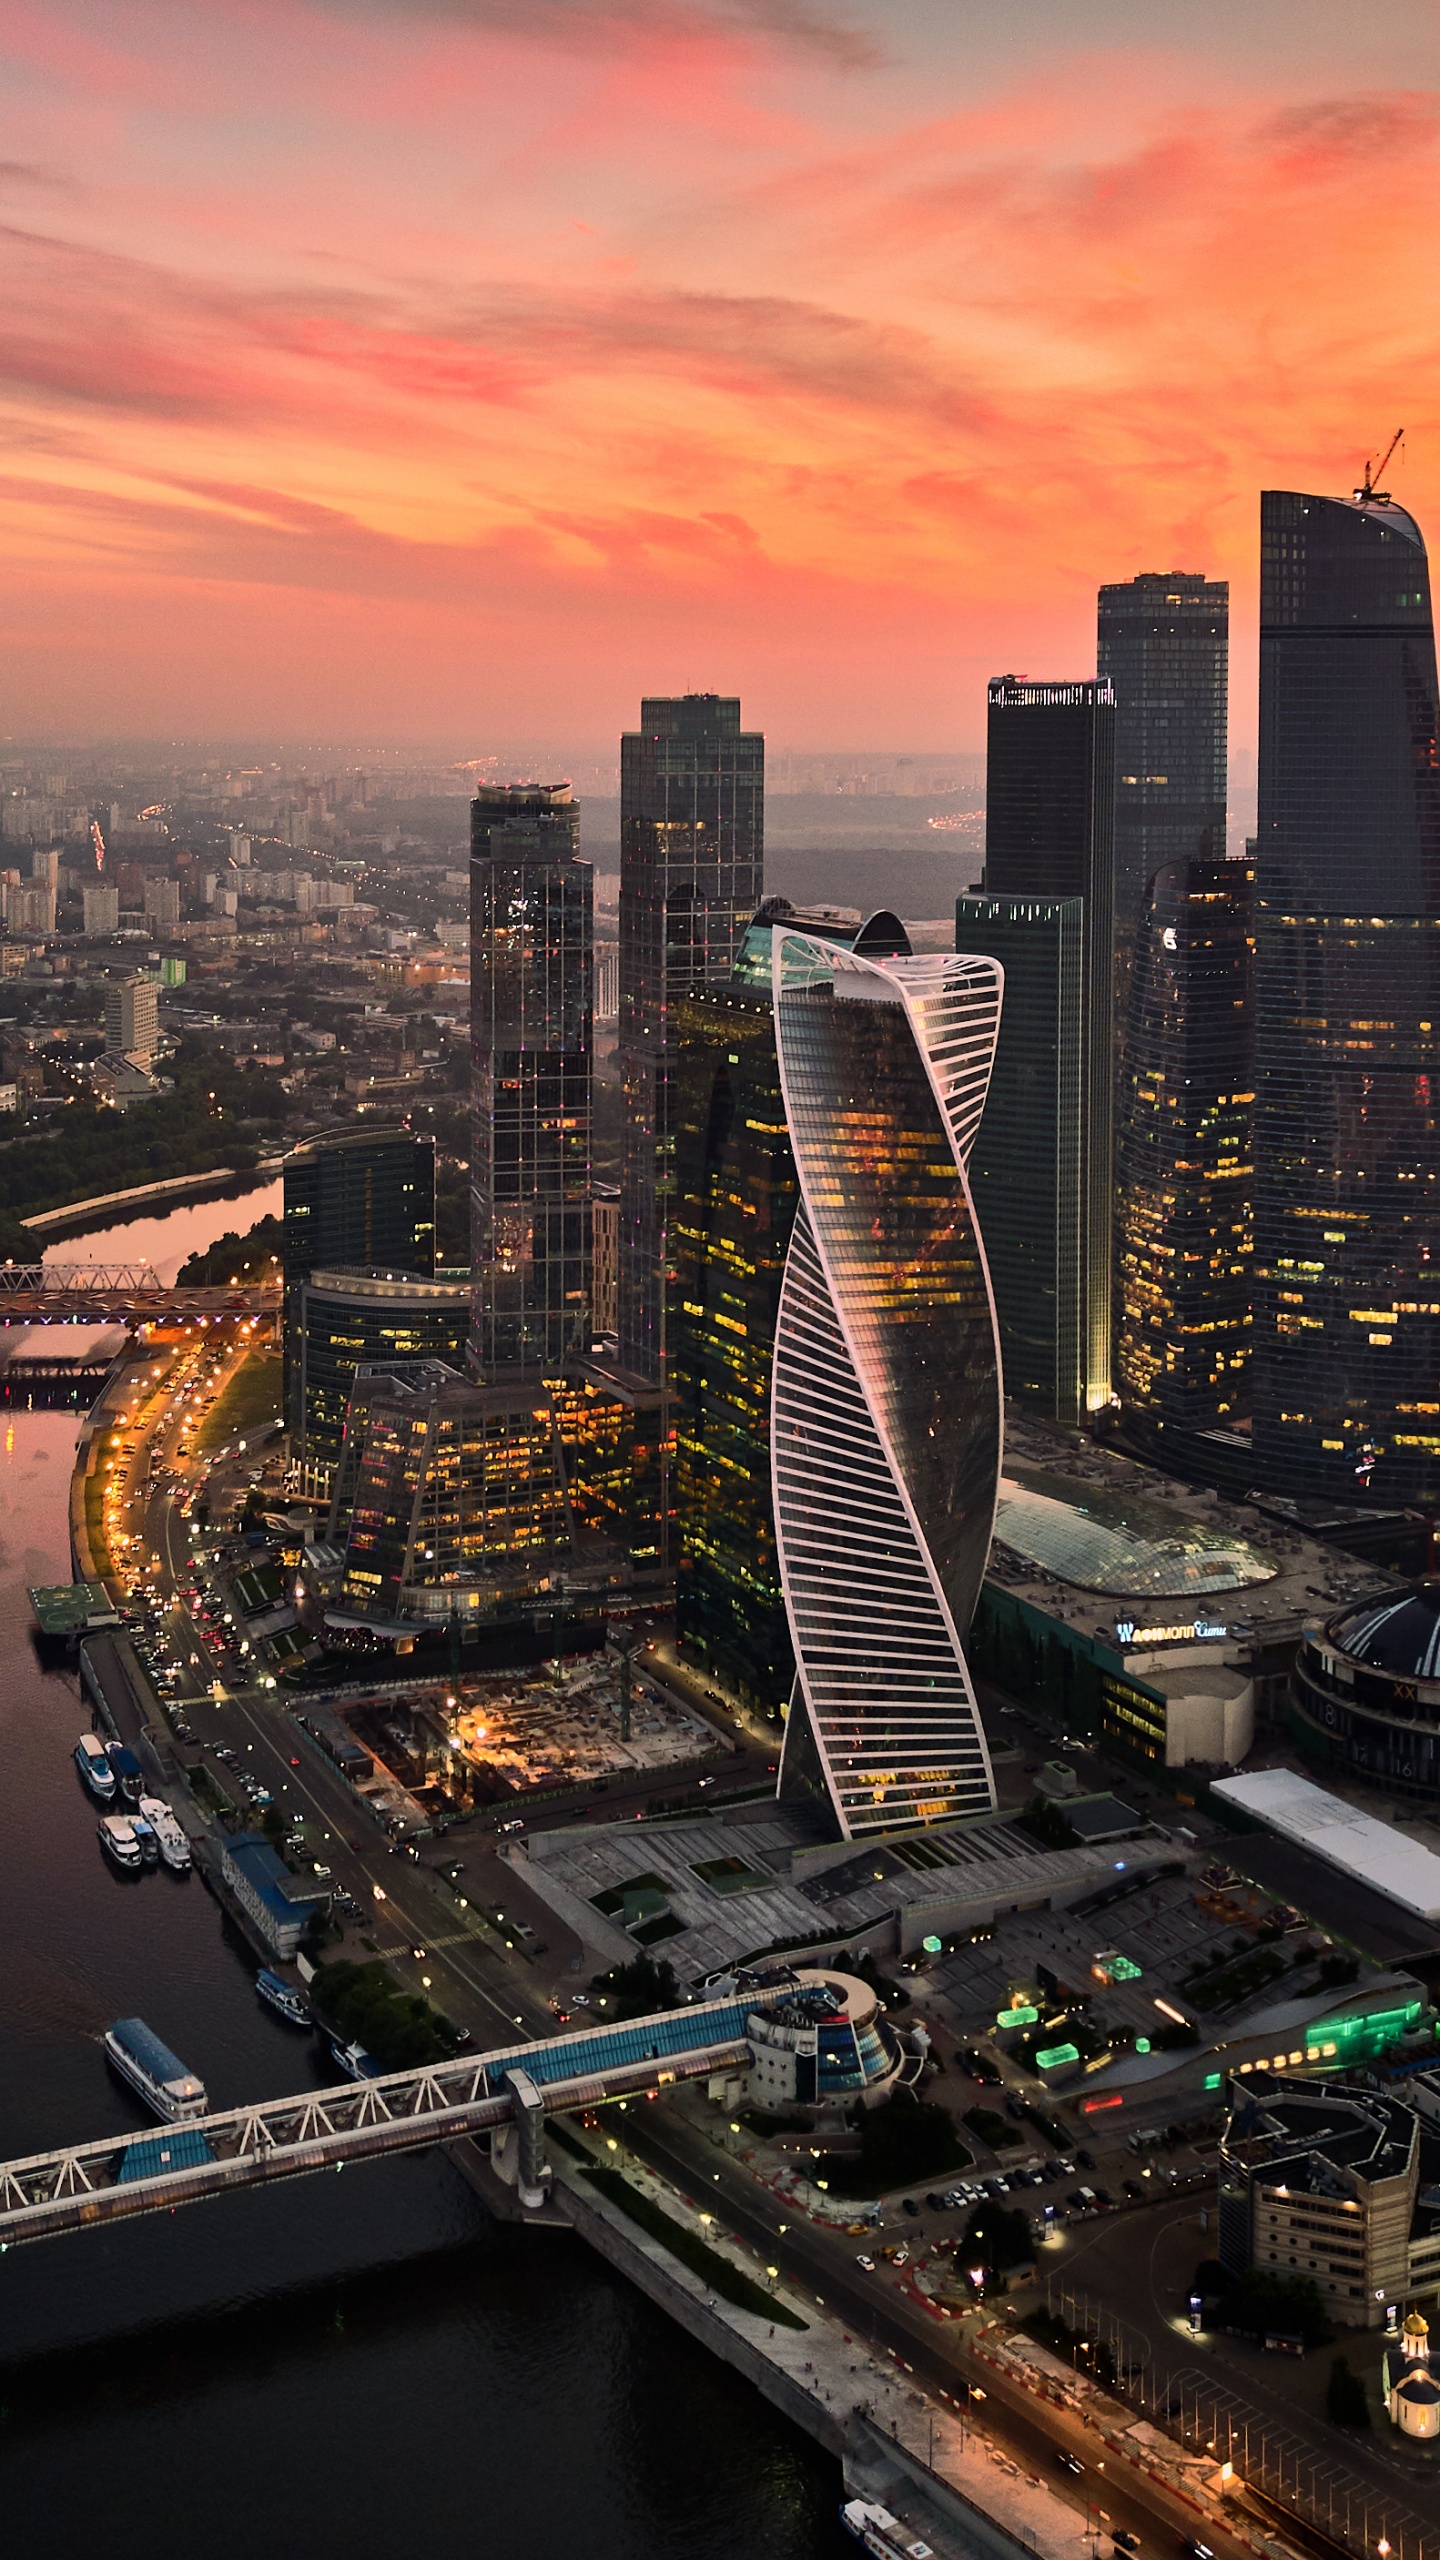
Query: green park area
point(249, 1402)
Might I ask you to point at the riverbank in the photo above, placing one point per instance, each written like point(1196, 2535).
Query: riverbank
point(174, 1192)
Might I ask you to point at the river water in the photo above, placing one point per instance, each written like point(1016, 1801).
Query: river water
point(361, 2364)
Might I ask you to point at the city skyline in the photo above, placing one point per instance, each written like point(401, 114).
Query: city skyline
point(346, 366)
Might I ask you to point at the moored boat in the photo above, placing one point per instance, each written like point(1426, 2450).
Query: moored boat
point(136, 2052)
point(169, 1831)
point(877, 2531)
point(94, 1767)
point(117, 1838)
point(283, 1997)
point(355, 2062)
point(129, 1777)
point(146, 1841)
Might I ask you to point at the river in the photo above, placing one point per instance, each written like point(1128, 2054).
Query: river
point(361, 2364)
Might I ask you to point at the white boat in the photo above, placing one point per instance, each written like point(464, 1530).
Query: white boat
point(282, 1996)
point(354, 2061)
point(117, 1837)
point(94, 1767)
point(136, 2052)
point(169, 1831)
point(875, 2529)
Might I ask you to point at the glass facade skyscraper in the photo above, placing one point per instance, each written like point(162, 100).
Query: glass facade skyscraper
point(1347, 932)
point(1164, 643)
point(1050, 836)
point(692, 822)
point(363, 1200)
point(735, 1195)
point(349, 1319)
point(1027, 1172)
point(531, 922)
point(886, 1397)
point(1184, 1169)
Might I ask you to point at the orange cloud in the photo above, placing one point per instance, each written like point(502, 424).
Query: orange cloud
point(591, 364)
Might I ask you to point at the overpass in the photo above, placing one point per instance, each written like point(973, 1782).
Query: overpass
point(89, 2183)
point(118, 1293)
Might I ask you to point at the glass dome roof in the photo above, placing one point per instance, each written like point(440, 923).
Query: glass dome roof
point(1103, 1540)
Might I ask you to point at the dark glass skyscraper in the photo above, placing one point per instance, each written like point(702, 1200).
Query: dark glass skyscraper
point(531, 910)
point(692, 808)
point(1027, 1173)
point(361, 1201)
point(1183, 1159)
point(1347, 931)
point(1050, 837)
point(1164, 643)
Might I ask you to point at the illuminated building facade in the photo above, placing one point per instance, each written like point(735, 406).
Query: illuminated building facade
point(531, 922)
point(352, 1319)
point(735, 1195)
point(1164, 643)
point(692, 826)
point(1050, 837)
point(1184, 1155)
point(886, 1388)
point(1346, 1354)
point(449, 1497)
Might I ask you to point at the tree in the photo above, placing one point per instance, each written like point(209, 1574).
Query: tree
point(1347, 2403)
point(997, 2238)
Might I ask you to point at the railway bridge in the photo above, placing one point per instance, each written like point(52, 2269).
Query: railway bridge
point(83, 2185)
point(118, 1293)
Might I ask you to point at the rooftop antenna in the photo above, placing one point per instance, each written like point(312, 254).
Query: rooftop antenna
point(1369, 495)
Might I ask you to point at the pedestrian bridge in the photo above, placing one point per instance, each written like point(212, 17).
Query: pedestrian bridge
point(89, 2183)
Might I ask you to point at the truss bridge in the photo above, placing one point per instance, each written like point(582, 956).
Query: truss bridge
point(511, 2090)
point(117, 1293)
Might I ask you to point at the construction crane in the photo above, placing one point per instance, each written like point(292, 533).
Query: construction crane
point(1369, 495)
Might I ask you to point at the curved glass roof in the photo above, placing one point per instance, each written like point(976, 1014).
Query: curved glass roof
point(1399, 1633)
point(1102, 1540)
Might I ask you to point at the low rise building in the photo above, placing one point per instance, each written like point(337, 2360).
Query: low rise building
point(1336, 2183)
point(281, 1905)
point(825, 2043)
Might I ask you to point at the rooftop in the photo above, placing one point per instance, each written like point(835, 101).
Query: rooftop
point(1375, 1853)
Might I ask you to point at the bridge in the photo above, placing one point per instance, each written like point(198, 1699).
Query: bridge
point(118, 1293)
point(516, 2087)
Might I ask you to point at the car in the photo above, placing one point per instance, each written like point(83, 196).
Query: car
point(507, 1827)
point(461, 2035)
point(1194, 2548)
point(901, 2257)
point(1067, 2462)
point(1086, 2159)
point(937, 2204)
point(294, 1759)
point(867, 2263)
point(1123, 2540)
point(418, 1953)
point(1133, 2187)
point(909, 2205)
point(580, 1999)
point(322, 1872)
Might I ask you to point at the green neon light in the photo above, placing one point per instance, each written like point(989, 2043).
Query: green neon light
point(1055, 2054)
point(1016, 2017)
point(1123, 1970)
point(932, 1946)
point(1142, 2044)
point(1211, 2080)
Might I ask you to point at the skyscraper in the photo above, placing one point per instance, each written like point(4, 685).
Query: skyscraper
point(735, 1195)
point(1028, 1170)
point(1183, 1159)
point(1347, 950)
point(1050, 836)
point(692, 809)
point(1164, 643)
point(886, 1437)
point(361, 1201)
point(531, 1041)
point(132, 1019)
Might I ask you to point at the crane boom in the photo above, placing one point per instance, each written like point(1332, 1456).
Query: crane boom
point(1369, 493)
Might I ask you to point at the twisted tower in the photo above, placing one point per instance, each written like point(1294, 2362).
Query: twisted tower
point(886, 1411)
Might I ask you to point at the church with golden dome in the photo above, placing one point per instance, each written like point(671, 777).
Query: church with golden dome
point(1412, 2390)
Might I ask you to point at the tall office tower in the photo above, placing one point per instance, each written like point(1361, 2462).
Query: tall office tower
point(886, 1405)
point(692, 816)
point(1164, 643)
point(360, 1201)
point(1027, 1172)
point(1347, 963)
point(351, 1318)
point(1183, 1159)
point(531, 1049)
point(132, 1019)
point(735, 1195)
point(1050, 836)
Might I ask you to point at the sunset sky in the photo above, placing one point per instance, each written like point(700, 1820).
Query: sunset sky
point(458, 368)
